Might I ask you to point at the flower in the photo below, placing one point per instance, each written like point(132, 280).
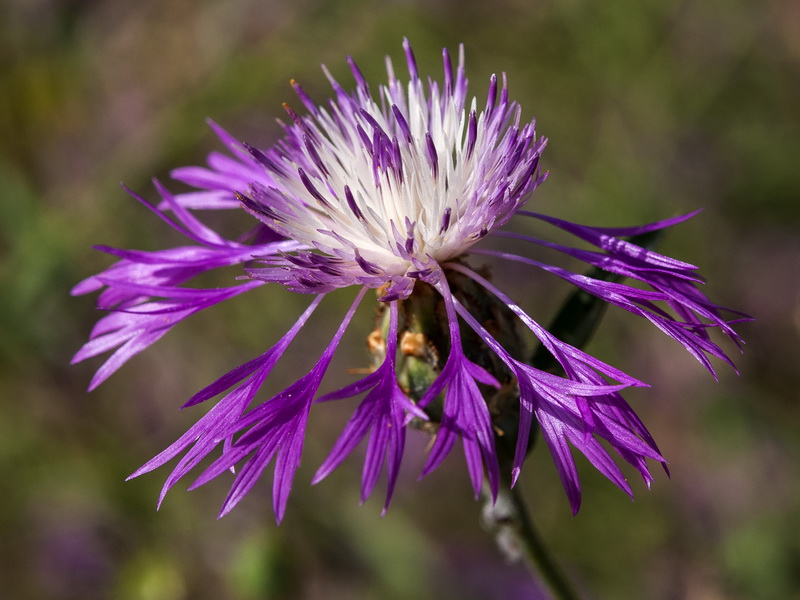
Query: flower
point(392, 191)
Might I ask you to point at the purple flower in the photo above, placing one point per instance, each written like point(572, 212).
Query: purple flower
point(392, 191)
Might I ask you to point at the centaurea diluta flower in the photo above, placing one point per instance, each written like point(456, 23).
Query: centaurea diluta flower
point(393, 190)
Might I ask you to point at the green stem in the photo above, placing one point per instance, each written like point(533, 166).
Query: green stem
point(508, 519)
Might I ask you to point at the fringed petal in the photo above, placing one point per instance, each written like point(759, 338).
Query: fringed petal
point(203, 437)
point(275, 428)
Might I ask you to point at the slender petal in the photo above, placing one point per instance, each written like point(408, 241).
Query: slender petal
point(206, 434)
point(274, 427)
point(465, 412)
point(382, 413)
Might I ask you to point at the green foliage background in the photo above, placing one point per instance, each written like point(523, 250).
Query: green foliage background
point(652, 108)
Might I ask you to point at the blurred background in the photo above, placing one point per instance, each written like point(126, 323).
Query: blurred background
point(653, 108)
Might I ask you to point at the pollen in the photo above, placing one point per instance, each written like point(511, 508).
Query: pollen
point(375, 342)
point(414, 344)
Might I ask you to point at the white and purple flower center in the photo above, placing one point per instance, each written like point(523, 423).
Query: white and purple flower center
point(381, 190)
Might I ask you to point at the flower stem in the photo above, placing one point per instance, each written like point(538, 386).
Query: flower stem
point(510, 522)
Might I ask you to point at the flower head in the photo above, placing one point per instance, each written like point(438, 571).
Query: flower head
point(392, 191)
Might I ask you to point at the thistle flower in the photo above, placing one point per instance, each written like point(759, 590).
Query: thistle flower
point(392, 191)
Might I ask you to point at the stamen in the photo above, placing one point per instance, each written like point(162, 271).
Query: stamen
point(351, 202)
point(371, 120)
point(472, 133)
point(359, 77)
point(368, 267)
point(312, 153)
point(364, 139)
point(397, 159)
point(410, 60)
point(433, 156)
point(504, 92)
point(265, 160)
point(304, 98)
point(448, 73)
point(312, 190)
point(259, 209)
point(491, 96)
point(296, 119)
point(402, 123)
point(445, 220)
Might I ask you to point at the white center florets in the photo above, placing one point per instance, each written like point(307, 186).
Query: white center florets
point(382, 191)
